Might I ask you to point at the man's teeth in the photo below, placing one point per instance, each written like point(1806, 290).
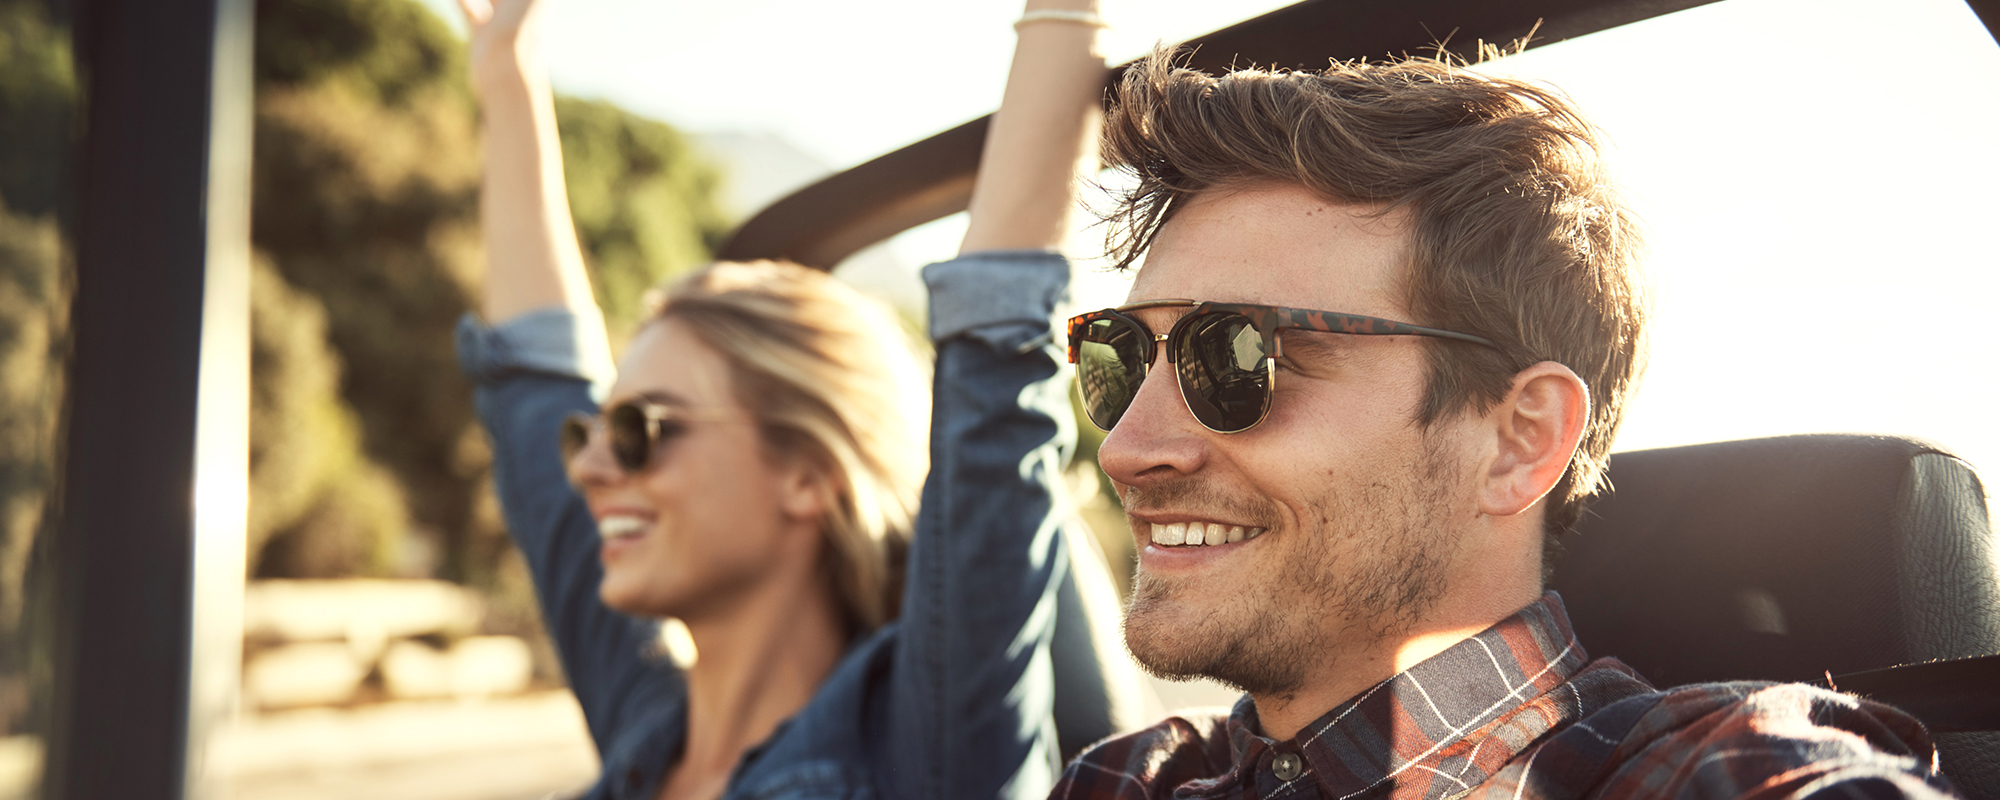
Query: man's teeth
point(614, 527)
point(1193, 534)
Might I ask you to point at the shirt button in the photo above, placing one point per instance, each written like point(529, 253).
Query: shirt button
point(1287, 766)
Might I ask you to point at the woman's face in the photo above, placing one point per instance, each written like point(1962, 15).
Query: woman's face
point(714, 516)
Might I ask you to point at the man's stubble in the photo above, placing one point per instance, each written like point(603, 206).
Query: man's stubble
point(1264, 638)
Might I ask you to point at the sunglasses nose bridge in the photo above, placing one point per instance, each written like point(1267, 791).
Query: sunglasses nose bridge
point(589, 461)
point(577, 432)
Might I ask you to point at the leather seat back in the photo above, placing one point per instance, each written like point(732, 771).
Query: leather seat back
point(1787, 559)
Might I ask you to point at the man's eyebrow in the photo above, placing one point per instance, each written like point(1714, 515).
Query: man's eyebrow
point(663, 397)
point(1310, 346)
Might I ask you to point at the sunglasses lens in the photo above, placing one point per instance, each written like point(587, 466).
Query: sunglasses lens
point(1224, 372)
point(1110, 364)
point(630, 443)
point(574, 436)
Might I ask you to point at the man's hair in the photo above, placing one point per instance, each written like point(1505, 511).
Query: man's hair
point(831, 377)
point(1516, 233)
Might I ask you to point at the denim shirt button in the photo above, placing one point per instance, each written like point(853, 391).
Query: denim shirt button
point(633, 779)
point(1287, 766)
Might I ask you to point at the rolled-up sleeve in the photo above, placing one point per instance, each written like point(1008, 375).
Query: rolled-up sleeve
point(556, 342)
point(1005, 299)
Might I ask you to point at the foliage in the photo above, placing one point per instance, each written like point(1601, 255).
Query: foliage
point(34, 310)
point(368, 208)
point(37, 107)
point(37, 98)
point(393, 50)
point(641, 199)
point(330, 510)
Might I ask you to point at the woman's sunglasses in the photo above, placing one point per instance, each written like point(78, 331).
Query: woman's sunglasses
point(636, 429)
point(1225, 355)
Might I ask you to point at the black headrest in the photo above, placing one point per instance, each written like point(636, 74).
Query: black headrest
point(1784, 559)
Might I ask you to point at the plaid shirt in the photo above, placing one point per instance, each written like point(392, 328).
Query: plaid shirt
point(1520, 711)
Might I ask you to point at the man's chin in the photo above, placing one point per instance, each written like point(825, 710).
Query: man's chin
point(1176, 640)
point(1163, 650)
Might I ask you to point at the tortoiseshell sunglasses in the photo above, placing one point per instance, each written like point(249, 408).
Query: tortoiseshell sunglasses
point(1224, 353)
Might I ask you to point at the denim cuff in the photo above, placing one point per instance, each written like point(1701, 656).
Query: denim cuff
point(552, 341)
point(1005, 298)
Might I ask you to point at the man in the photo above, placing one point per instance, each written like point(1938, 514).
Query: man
point(1388, 319)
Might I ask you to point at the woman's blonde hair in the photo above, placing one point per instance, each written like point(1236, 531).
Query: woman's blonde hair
point(832, 377)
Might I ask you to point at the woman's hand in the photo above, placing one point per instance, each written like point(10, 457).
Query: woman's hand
point(503, 41)
point(532, 256)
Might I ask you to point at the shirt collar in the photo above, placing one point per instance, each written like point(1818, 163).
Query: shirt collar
point(1427, 717)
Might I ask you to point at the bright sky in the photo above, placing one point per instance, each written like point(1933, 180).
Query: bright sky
point(1817, 175)
point(1811, 171)
point(845, 81)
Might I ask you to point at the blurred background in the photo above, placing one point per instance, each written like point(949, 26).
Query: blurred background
point(1817, 176)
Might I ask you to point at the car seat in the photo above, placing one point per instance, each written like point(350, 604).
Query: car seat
point(1801, 558)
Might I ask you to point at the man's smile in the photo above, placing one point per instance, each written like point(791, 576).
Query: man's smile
point(1177, 542)
point(1201, 534)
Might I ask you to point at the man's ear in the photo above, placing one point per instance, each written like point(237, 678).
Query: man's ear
point(1536, 429)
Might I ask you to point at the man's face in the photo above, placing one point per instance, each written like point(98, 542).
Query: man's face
point(1359, 507)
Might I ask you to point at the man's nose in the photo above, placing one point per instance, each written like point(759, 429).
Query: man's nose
point(1157, 436)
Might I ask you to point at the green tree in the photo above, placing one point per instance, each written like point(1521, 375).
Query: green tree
point(34, 309)
point(37, 102)
point(37, 107)
point(322, 507)
point(642, 201)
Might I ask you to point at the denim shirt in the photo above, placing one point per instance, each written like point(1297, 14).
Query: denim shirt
point(951, 701)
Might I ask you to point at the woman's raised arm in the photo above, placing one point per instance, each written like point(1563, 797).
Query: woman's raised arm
point(1043, 140)
point(531, 250)
point(973, 680)
point(533, 370)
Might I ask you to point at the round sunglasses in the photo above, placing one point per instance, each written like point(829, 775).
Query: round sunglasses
point(636, 429)
point(1225, 355)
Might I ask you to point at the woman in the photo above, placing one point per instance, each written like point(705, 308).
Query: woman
point(750, 473)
